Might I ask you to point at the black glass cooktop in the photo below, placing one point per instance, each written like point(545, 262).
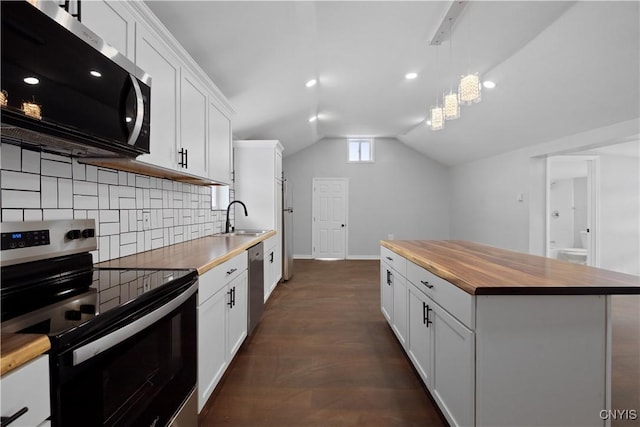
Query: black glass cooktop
point(93, 294)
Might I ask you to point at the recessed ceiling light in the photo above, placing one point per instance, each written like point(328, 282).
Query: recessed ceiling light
point(411, 76)
point(313, 119)
point(31, 80)
point(311, 83)
point(95, 73)
point(428, 122)
point(128, 119)
point(488, 84)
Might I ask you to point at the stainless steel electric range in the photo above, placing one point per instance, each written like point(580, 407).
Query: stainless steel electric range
point(123, 342)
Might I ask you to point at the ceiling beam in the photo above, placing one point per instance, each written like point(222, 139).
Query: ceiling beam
point(447, 22)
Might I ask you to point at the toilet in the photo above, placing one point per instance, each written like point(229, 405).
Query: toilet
point(575, 255)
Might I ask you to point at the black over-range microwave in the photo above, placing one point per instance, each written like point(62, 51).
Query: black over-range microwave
point(66, 90)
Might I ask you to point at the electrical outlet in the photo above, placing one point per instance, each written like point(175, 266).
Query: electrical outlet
point(146, 220)
point(146, 284)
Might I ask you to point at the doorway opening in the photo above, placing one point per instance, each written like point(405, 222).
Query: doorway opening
point(572, 209)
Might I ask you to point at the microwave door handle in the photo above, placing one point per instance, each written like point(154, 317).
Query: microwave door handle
point(104, 343)
point(137, 126)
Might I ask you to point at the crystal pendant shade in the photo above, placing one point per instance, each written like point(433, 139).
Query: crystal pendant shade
point(451, 106)
point(469, 89)
point(437, 118)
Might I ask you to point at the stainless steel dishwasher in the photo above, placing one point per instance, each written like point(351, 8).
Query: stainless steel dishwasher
point(256, 286)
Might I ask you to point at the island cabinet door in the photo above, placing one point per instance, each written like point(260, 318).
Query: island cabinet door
point(386, 291)
point(400, 308)
point(420, 334)
point(453, 367)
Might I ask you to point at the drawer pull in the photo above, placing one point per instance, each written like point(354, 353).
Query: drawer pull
point(389, 258)
point(5, 421)
point(230, 272)
point(427, 284)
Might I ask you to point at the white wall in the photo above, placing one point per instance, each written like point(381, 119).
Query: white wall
point(620, 214)
point(403, 193)
point(484, 193)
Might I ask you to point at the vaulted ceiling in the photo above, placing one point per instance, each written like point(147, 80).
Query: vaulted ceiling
point(560, 68)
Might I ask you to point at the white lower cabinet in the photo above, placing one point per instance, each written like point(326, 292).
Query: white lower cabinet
point(441, 348)
point(222, 321)
point(453, 352)
point(420, 335)
point(27, 387)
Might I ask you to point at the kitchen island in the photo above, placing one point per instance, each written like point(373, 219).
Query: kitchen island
point(502, 338)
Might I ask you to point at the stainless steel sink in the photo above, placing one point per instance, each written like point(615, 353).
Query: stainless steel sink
point(252, 233)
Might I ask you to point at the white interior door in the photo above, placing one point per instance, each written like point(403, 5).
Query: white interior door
point(329, 237)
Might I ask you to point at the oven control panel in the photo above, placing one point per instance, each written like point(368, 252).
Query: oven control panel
point(25, 239)
point(36, 240)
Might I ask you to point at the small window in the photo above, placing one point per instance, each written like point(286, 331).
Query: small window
point(361, 150)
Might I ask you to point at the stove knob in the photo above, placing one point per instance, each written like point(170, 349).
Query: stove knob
point(73, 234)
point(88, 232)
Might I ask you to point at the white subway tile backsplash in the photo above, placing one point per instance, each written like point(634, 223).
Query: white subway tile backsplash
point(65, 193)
point(40, 186)
point(107, 177)
point(51, 214)
point(12, 215)
point(85, 202)
point(85, 188)
point(33, 214)
point(109, 216)
point(20, 199)
point(103, 196)
point(92, 173)
point(55, 168)
point(11, 157)
point(49, 187)
point(20, 181)
point(114, 197)
point(78, 170)
point(108, 228)
point(56, 157)
point(31, 161)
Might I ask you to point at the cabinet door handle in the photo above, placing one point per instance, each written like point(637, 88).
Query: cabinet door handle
point(181, 163)
point(230, 303)
point(389, 277)
point(271, 257)
point(233, 296)
point(428, 321)
point(424, 313)
point(427, 284)
point(186, 158)
point(5, 421)
point(389, 258)
point(230, 272)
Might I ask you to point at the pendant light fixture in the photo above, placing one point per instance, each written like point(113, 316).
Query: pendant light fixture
point(450, 100)
point(470, 87)
point(437, 112)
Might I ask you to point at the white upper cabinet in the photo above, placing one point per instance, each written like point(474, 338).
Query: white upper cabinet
point(113, 23)
point(220, 161)
point(192, 155)
point(156, 59)
point(190, 118)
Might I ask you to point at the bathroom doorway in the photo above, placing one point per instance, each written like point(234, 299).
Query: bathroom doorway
point(572, 208)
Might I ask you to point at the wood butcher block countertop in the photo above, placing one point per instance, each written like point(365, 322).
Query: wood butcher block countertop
point(202, 254)
point(18, 349)
point(485, 270)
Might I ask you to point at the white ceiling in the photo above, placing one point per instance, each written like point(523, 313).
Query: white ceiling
point(560, 68)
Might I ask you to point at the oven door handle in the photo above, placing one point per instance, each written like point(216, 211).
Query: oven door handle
point(86, 352)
